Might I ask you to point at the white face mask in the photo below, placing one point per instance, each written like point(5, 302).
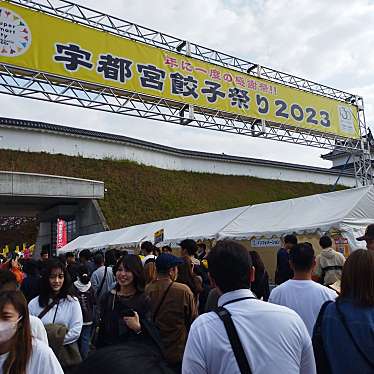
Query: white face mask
point(7, 330)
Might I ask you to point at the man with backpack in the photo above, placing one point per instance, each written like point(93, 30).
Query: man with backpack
point(329, 264)
point(245, 335)
point(102, 279)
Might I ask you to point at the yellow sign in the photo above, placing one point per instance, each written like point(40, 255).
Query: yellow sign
point(159, 236)
point(41, 42)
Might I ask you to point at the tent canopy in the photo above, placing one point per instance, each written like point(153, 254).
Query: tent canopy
point(198, 226)
point(349, 211)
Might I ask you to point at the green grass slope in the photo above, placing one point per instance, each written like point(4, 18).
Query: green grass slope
point(138, 194)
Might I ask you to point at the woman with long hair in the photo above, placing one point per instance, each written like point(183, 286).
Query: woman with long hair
point(187, 277)
point(125, 307)
point(346, 326)
point(19, 352)
point(260, 286)
point(57, 305)
point(150, 272)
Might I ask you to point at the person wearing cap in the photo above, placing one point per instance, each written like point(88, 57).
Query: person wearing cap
point(368, 237)
point(173, 307)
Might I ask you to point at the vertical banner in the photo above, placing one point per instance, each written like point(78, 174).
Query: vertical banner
point(159, 236)
point(342, 246)
point(61, 234)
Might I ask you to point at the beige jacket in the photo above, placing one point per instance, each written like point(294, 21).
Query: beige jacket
point(329, 257)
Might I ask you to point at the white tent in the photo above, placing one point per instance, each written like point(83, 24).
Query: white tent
point(199, 226)
point(348, 211)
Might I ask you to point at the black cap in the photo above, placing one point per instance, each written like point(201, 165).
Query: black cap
point(166, 261)
point(369, 233)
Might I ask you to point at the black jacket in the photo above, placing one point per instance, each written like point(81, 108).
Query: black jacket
point(113, 330)
point(87, 301)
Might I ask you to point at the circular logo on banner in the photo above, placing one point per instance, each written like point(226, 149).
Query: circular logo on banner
point(15, 35)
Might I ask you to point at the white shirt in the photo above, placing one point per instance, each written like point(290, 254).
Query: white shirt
point(38, 330)
point(305, 297)
point(69, 313)
point(42, 360)
point(274, 339)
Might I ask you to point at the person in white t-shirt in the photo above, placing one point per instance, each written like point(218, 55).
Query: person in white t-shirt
point(19, 352)
point(301, 293)
point(274, 338)
point(147, 249)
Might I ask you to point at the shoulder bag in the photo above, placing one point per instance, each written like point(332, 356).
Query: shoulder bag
point(68, 354)
point(161, 302)
point(233, 336)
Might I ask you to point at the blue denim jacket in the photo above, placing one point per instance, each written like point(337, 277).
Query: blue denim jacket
point(341, 352)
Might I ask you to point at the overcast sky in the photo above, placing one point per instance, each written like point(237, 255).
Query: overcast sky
point(327, 41)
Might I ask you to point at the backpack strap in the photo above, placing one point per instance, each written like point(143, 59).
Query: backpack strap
point(328, 268)
point(102, 282)
point(234, 339)
point(357, 346)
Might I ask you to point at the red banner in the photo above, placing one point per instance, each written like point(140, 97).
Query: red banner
point(61, 234)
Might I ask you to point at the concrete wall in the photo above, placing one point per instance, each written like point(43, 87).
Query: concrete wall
point(40, 185)
point(50, 197)
point(44, 141)
point(88, 216)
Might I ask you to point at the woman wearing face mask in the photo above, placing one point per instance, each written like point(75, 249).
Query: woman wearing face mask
point(125, 307)
point(19, 352)
point(57, 305)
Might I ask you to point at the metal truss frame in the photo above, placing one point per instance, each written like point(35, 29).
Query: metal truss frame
point(105, 22)
point(47, 87)
point(362, 160)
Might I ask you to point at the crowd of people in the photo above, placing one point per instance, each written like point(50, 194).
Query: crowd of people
point(201, 312)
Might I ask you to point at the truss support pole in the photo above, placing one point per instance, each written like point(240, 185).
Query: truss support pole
point(185, 121)
point(362, 160)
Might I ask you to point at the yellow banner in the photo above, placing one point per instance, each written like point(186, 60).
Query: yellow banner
point(45, 43)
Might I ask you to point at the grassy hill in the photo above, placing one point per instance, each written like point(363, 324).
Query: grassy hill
point(138, 193)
